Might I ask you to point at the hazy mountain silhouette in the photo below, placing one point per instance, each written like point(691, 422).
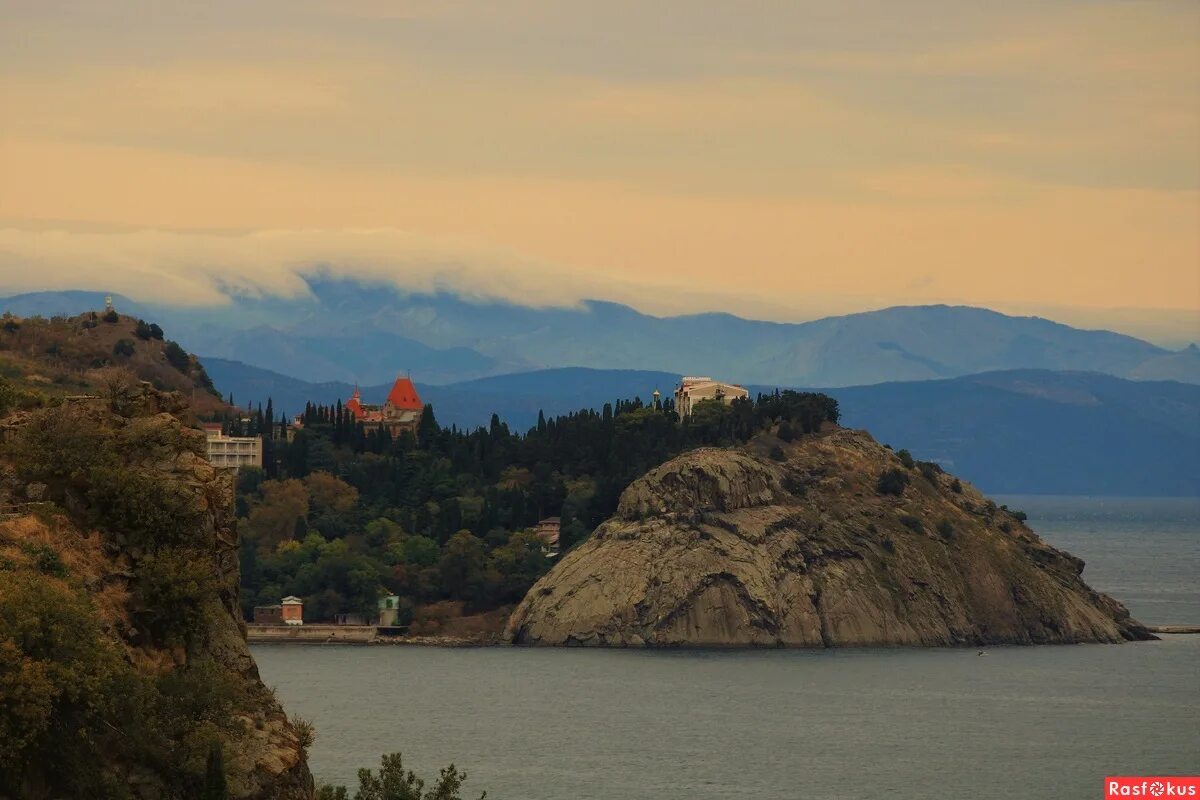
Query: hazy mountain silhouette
point(349, 331)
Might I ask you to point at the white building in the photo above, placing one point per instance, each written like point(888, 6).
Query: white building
point(232, 451)
point(692, 390)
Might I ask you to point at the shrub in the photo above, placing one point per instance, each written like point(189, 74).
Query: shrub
point(777, 453)
point(956, 486)
point(1020, 516)
point(45, 558)
point(785, 432)
point(111, 317)
point(889, 545)
point(945, 529)
point(905, 458)
point(306, 732)
point(147, 330)
point(123, 348)
point(171, 586)
point(396, 783)
point(929, 470)
point(912, 523)
point(892, 481)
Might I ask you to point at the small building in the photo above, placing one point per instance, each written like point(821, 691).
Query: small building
point(292, 609)
point(389, 610)
point(232, 452)
point(401, 410)
point(548, 530)
point(268, 615)
point(349, 619)
point(693, 390)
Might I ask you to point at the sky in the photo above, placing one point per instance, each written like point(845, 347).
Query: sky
point(783, 160)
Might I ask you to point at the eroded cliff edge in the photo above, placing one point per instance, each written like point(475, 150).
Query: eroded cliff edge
point(122, 650)
point(734, 547)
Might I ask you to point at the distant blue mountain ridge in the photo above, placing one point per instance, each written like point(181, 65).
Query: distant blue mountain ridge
point(354, 332)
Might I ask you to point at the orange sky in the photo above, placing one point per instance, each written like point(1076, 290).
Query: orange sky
point(806, 159)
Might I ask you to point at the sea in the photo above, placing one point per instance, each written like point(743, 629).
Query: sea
point(1002, 722)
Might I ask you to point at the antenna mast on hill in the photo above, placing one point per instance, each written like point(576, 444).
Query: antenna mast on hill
point(108, 303)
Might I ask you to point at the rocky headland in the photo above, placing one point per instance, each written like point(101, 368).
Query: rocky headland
point(124, 669)
point(831, 540)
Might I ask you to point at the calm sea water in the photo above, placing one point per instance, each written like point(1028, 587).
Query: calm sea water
point(1041, 722)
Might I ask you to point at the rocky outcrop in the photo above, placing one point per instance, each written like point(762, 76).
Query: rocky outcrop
point(734, 548)
point(71, 516)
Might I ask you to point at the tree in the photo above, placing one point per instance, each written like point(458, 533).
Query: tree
point(177, 357)
point(123, 348)
point(214, 775)
point(462, 565)
point(273, 519)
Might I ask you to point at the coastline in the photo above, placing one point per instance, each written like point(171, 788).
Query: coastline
point(366, 635)
point(361, 635)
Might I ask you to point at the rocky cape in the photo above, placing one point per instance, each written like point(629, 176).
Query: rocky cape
point(66, 534)
point(795, 545)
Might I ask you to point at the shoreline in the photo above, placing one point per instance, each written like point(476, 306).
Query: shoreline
point(366, 635)
point(360, 635)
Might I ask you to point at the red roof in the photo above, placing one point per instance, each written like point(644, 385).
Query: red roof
point(404, 395)
point(354, 404)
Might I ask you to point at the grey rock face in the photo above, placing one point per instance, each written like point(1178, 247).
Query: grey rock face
point(729, 548)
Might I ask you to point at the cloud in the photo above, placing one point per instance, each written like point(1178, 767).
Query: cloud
point(193, 268)
point(807, 159)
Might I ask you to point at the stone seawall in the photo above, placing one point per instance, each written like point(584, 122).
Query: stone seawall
point(340, 634)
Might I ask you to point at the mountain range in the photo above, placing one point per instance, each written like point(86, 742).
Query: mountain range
point(1015, 404)
point(342, 330)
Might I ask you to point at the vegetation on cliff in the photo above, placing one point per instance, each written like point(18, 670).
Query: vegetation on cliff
point(63, 356)
point(444, 515)
point(123, 665)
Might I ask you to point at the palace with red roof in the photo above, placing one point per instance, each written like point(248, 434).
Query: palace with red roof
point(401, 411)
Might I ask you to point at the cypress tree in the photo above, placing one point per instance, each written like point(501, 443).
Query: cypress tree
point(214, 787)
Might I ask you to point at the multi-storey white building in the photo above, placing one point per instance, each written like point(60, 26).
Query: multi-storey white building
point(232, 451)
point(692, 390)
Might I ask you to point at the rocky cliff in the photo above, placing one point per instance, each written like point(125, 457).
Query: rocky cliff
point(832, 540)
point(124, 670)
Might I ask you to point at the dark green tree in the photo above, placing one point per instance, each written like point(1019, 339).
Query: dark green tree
point(214, 775)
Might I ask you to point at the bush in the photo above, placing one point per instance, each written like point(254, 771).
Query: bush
point(147, 330)
point(306, 732)
point(396, 783)
point(123, 348)
point(892, 481)
point(912, 523)
point(905, 458)
point(785, 432)
point(956, 486)
point(929, 470)
point(111, 317)
point(777, 453)
point(171, 587)
point(945, 529)
point(1020, 516)
point(45, 558)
